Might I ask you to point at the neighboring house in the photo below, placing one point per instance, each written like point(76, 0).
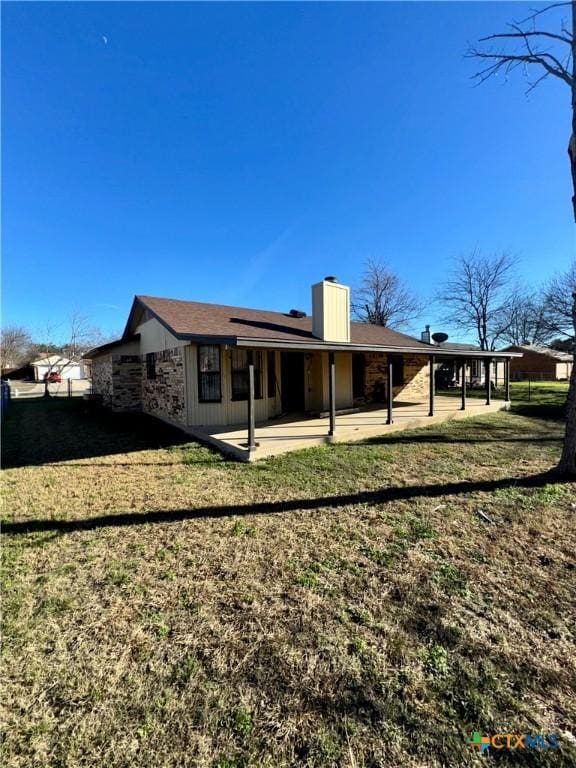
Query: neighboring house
point(66, 368)
point(540, 363)
point(188, 363)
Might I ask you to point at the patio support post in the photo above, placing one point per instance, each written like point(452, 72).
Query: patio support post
point(390, 390)
point(332, 392)
point(507, 379)
point(463, 406)
point(487, 364)
point(432, 385)
point(251, 393)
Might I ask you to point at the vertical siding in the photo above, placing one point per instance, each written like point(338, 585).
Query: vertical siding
point(227, 411)
point(343, 362)
point(317, 394)
point(331, 311)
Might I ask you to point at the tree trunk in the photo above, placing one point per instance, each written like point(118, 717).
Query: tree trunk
point(572, 142)
point(567, 463)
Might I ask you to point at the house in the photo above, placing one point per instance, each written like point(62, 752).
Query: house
point(208, 367)
point(65, 367)
point(540, 363)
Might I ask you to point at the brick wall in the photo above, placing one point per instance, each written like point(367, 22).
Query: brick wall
point(416, 377)
point(118, 379)
point(164, 395)
point(532, 363)
point(126, 383)
point(102, 378)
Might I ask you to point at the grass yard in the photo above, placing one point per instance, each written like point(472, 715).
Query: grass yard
point(358, 605)
point(524, 394)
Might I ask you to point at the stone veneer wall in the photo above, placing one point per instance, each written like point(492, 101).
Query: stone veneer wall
point(126, 383)
point(416, 376)
point(165, 396)
point(102, 378)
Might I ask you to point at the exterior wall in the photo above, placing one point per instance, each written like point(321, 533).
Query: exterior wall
point(317, 381)
point(126, 383)
point(563, 370)
point(102, 378)
point(533, 365)
point(416, 377)
point(118, 379)
point(227, 411)
point(331, 311)
point(155, 338)
point(165, 395)
point(344, 398)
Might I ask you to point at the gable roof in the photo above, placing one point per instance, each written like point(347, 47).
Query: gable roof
point(189, 319)
point(199, 322)
point(103, 349)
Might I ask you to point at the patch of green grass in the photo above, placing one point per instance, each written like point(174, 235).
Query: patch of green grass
point(240, 528)
point(243, 724)
point(449, 579)
point(56, 604)
point(185, 669)
point(436, 661)
point(385, 556)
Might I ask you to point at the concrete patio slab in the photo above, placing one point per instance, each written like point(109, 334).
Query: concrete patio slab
point(294, 433)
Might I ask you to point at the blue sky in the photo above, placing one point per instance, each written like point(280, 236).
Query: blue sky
point(238, 152)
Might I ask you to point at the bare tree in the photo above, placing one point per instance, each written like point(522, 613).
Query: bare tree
point(524, 319)
point(383, 299)
point(557, 303)
point(560, 297)
point(477, 296)
point(530, 47)
point(550, 53)
point(15, 342)
point(79, 336)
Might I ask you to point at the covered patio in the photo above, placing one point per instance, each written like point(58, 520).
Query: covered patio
point(292, 433)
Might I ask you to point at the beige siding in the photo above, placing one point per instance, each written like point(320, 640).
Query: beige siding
point(317, 393)
point(331, 311)
point(343, 361)
point(155, 338)
point(227, 411)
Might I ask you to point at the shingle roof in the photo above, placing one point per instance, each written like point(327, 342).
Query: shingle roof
point(193, 318)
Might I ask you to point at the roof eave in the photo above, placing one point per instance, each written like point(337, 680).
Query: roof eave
point(350, 347)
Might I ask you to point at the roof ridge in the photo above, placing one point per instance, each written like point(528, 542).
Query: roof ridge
point(143, 298)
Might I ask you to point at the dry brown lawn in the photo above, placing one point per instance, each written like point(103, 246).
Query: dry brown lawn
point(341, 606)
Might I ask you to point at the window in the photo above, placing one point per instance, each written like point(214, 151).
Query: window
point(271, 374)
point(151, 365)
point(240, 374)
point(209, 386)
